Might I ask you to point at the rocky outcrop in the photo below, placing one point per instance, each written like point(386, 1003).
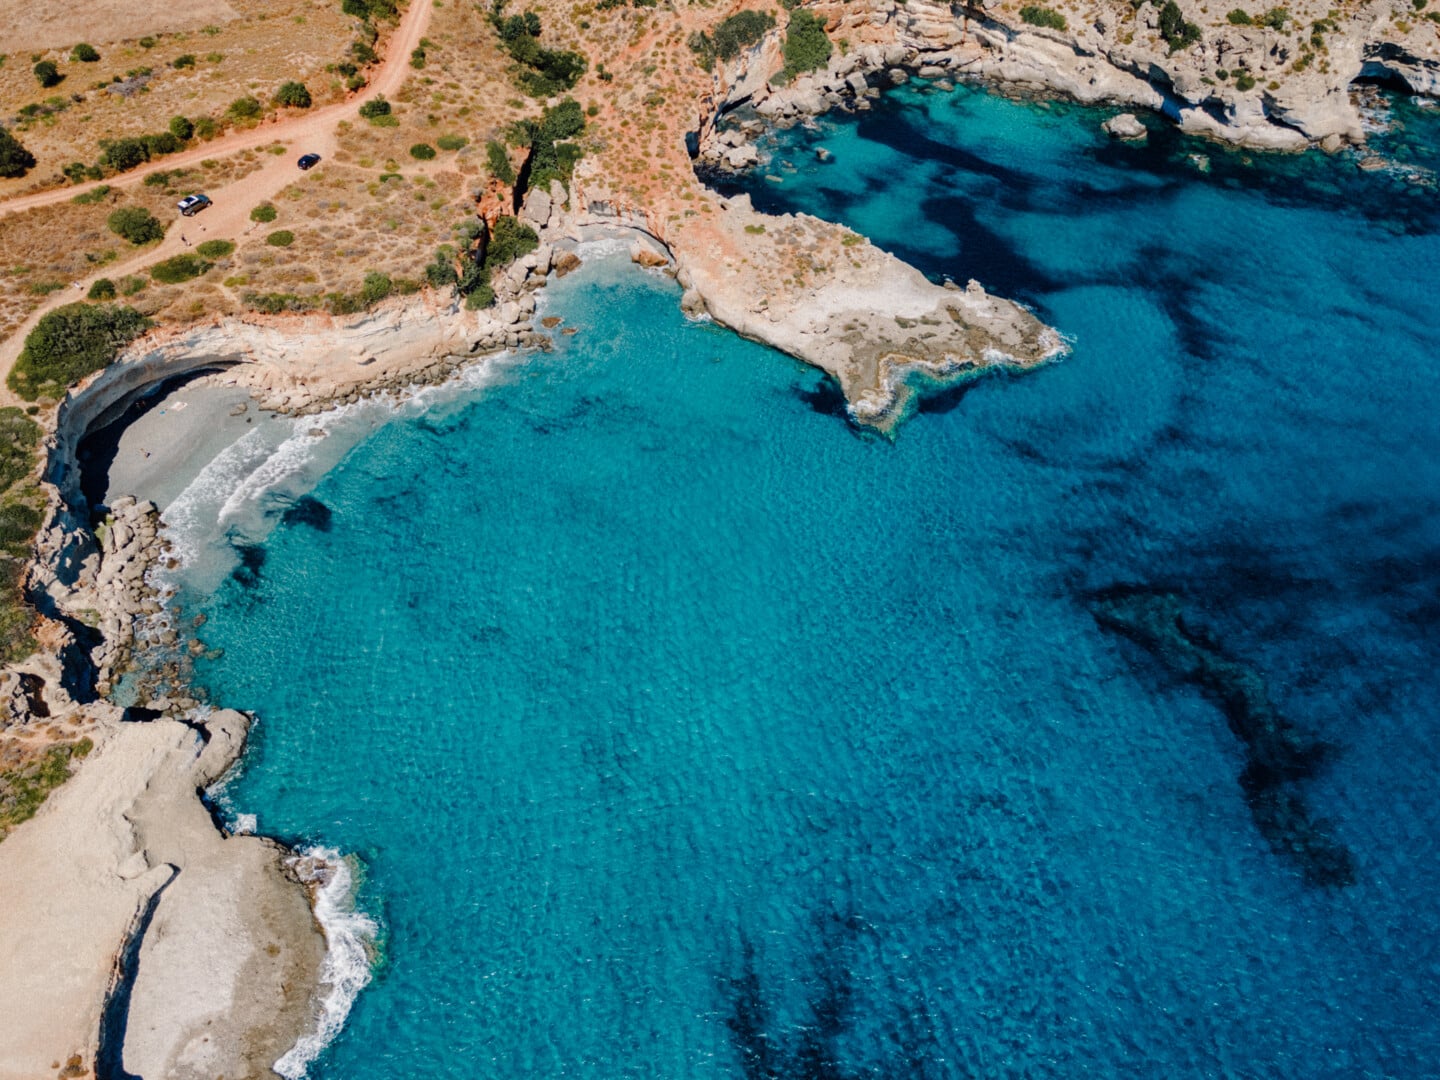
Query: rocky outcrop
point(1249, 85)
point(137, 936)
point(1125, 126)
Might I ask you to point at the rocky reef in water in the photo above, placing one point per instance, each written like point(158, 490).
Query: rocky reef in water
point(1278, 758)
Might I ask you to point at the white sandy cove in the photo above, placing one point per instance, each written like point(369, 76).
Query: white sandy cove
point(229, 948)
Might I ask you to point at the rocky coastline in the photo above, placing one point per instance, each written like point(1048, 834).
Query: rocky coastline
point(1288, 100)
point(198, 953)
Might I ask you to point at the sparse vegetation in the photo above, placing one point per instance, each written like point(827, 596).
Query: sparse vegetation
point(735, 34)
point(244, 109)
point(543, 72)
point(71, 342)
point(1239, 17)
point(215, 249)
point(24, 790)
point(451, 142)
point(1043, 16)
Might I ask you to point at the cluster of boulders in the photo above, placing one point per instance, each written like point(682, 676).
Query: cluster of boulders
point(119, 592)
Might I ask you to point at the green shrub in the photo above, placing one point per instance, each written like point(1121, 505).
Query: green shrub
point(84, 54)
point(740, 31)
point(544, 72)
point(181, 128)
point(422, 152)
point(499, 162)
point(215, 249)
point(122, 155)
point(24, 790)
point(101, 289)
point(806, 46)
point(178, 268)
point(375, 107)
point(293, 95)
point(1244, 81)
point(280, 238)
point(1043, 16)
point(1178, 33)
point(263, 213)
point(244, 108)
point(417, 59)
point(47, 74)
point(71, 342)
point(451, 142)
point(135, 224)
point(1239, 17)
point(19, 436)
point(377, 287)
point(441, 273)
point(481, 296)
point(1275, 18)
point(275, 303)
point(206, 128)
point(185, 61)
point(15, 160)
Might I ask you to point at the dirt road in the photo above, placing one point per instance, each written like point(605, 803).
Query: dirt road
point(229, 217)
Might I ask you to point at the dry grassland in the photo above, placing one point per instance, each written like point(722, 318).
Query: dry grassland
point(271, 42)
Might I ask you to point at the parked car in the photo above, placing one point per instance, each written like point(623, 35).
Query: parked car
point(191, 205)
point(309, 161)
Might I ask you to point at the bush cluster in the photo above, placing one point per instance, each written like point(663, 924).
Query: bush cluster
point(101, 289)
point(15, 160)
point(71, 342)
point(292, 95)
point(280, 238)
point(1043, 16)
point(1178, 33)
point(551, 156)
point(135, 224)
point(499, 162)
point(179, 268)
point(544, 72)
point(263, 213)
point(244, 108)
point(806, 46)
point(375, 107)
point(84, 54)
point(215, 249)
point(422, 152)
point(47, 74)
point(735, 34)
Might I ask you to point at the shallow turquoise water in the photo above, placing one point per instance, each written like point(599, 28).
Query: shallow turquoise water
point(684, 731)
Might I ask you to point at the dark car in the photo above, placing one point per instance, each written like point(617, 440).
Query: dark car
point(191, 205)
point(309, 161)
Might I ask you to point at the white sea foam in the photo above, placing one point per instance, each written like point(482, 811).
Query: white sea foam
point(349, 937)
point(245, 825)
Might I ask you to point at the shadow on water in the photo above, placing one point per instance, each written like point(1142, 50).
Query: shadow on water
point(309, 511)
point(252, 561)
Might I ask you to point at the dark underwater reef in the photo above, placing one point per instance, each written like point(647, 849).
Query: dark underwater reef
point(1278, 759)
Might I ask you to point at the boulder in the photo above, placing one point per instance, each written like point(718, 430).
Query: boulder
point(536, 210)
point(1125, 126)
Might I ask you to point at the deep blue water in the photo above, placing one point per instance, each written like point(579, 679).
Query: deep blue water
point(684, 731)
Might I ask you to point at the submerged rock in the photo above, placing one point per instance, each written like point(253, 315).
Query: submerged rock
point(1277, 757)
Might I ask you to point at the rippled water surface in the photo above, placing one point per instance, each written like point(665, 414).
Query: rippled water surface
point(684, 731)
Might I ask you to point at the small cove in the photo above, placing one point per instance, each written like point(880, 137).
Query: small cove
point(680, 729)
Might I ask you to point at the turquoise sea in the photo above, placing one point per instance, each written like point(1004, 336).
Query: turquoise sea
point(1085, 729)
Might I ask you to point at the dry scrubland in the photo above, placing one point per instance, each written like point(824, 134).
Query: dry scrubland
point(269, 42)
point(46, 249)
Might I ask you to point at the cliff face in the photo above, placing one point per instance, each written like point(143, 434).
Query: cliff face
point(1283, 85)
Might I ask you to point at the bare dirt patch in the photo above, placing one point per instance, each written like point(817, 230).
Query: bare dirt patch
point(27, 25)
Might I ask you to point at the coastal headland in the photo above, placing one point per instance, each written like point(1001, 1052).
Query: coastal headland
point(140, 937)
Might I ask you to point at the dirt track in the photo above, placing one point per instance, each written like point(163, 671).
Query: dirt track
point(229, 217)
